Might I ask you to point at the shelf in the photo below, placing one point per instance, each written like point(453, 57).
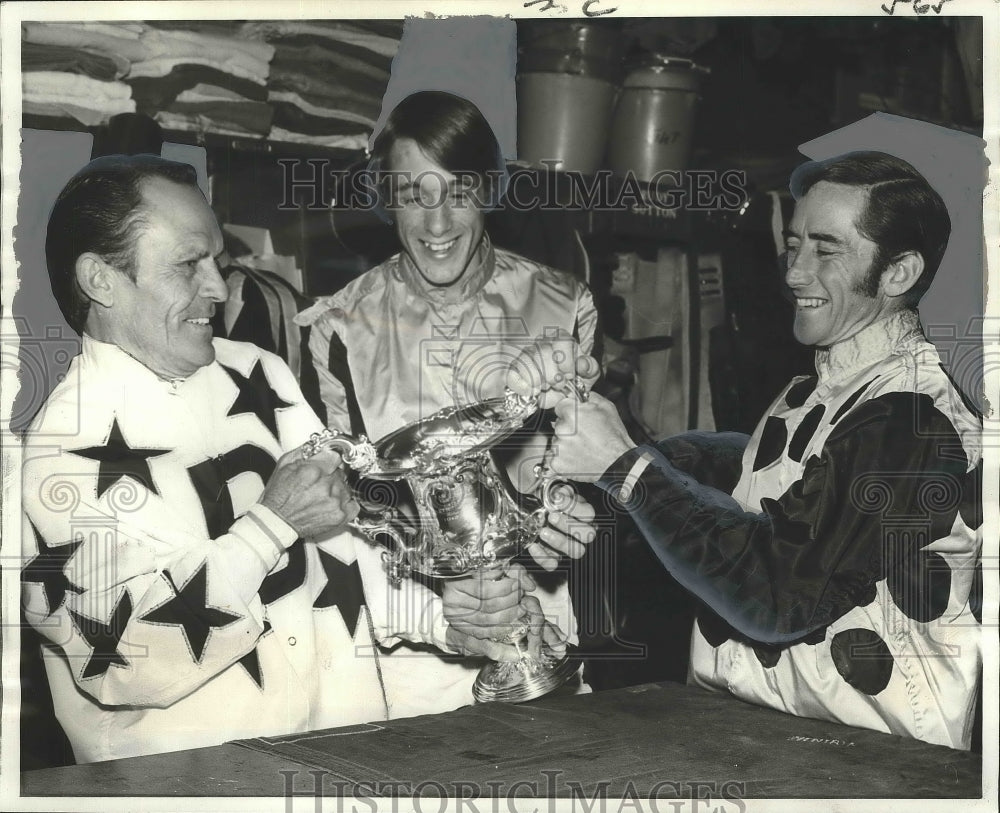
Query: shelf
point(212, 141)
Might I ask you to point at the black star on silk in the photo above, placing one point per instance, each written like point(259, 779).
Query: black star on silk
point(189, 610)
point(256, 397)
point(48, 567)
point(118, 460)
point(251, 661)
point(104, 638)
point(343, 589)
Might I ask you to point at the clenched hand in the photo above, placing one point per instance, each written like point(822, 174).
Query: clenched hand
point(311, 495)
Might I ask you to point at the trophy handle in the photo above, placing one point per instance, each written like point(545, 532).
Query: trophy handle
point(397, 560)
point(552, 496)
point(358, 453)
point(576, 387)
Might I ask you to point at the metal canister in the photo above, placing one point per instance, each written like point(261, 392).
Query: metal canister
point(654, 118)
point(568, 76)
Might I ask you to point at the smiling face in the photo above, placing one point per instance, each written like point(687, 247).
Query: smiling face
point(437, 219)
point(828, 260)
point(162, 317)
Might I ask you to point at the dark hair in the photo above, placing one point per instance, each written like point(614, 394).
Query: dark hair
point(452, 132)
point(100, 211)
point(902, 211)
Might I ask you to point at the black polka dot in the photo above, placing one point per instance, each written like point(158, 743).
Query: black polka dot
point(971, 507)
point(767, 655)
point(772, 443)
point(816, 637)
point(862, 659)
point(846, 406)
point(867, 596)
point(919, 582)
point(715, 630)
point(805, 432)
point(799, 392)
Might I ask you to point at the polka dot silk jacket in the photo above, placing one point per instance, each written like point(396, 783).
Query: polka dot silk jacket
point(842, 576)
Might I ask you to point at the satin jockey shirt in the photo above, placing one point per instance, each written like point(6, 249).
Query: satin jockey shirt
point(842, 577)
point(177, 611)
point(391, 349)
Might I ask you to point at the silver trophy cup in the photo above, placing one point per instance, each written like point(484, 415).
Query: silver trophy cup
point(466, 520)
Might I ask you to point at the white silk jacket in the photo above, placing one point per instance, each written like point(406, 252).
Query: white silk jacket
point(178, 611)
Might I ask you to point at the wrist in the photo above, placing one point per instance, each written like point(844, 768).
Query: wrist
point(620, 478)
point(617, 450)
point(272, 526)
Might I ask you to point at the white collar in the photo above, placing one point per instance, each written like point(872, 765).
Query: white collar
point(866, 347)
point(105, 355)
point(477, 274)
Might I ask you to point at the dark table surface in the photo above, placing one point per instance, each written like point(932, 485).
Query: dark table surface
point(659, 740)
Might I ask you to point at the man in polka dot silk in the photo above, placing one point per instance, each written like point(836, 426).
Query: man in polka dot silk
point(836, 550)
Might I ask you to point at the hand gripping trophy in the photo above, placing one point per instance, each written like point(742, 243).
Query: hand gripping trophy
point(467, 520)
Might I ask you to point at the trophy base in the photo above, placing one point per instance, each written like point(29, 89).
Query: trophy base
point(525, 679)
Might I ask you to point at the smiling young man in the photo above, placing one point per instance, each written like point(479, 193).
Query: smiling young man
point(838, 552)
point(433, 325)
point(438, 325)
point(841, 279)
point(438, 219)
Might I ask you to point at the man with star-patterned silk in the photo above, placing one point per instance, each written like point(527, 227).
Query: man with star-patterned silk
point(187, 568)
point(837, 553)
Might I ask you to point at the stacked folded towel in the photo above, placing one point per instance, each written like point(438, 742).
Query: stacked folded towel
point(203, 78)
point(327, 77)
point(84, 61)
point(60, 94)
point(189, 76)
point(312, 82)
point(74, 70)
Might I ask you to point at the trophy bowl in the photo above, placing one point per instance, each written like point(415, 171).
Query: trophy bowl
point(465, 518)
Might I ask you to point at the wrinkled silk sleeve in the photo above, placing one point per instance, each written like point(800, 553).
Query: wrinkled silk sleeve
point(814, 553)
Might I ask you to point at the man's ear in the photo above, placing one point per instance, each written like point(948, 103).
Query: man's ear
point(902, 273)
point(96, 278)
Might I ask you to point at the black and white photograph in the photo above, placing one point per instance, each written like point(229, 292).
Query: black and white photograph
point(500, 405)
